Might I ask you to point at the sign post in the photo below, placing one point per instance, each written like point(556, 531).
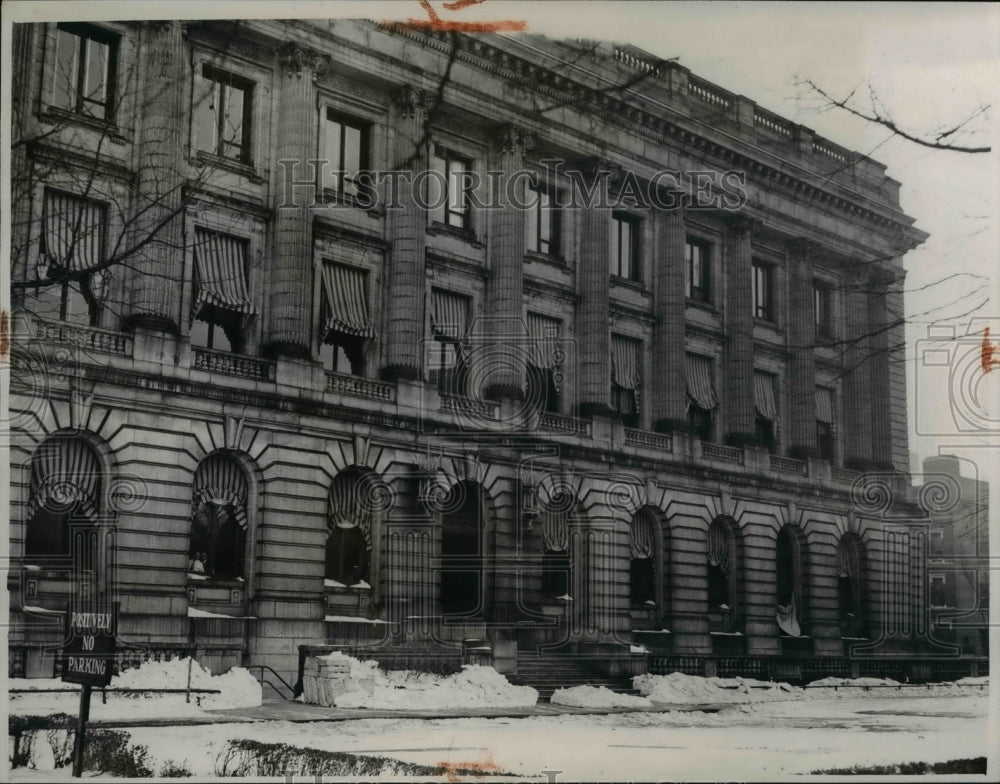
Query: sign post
point(88, 655)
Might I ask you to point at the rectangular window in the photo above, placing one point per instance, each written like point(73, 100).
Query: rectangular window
point(449, 325)
point(222, 304)
point(698, 278)
point(626, 378)
point(84, 79)
point(822, 309)
point(544, 371)
point(544, 221)
point(449, 196)
point(345, 320)
point(825, 423)
point(937, 543)
point(625, 246)
point(70, 244)
point(939, 590)
point(766, 409)
point(222, 115)
point(345, 152)
point(763, 291)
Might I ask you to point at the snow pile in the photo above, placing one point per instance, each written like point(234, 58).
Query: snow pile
point(878, 683)
point(239, 689)
point(680, 689)
point(364, 685)
point(597, 697)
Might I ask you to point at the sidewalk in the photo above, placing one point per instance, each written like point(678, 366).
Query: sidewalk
point(287, 710)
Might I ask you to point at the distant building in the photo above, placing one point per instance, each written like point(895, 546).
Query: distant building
point(325, 407)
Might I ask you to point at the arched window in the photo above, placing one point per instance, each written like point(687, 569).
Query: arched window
point(850, 585)
point(790, 578)
point(555, 536)
point(724, 573)
point(65, 488)
point(643, 546)
point(353, 497)
point(219, 518)
point(462, 557)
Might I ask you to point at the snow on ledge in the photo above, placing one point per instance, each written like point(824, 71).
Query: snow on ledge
point(30, 608)
point(194, 612)
point(349, 619)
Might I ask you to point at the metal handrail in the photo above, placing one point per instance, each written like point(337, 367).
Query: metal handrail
point(284, 683)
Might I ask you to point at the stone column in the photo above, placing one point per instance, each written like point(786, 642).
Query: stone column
point(669, 392)
point(857, 385)
point(407, 225)
point(155, 269)
point(881, 411)
point(738, 369)
point(802, 357)
point(592, 324)
point(505, 375)
point(289, 314)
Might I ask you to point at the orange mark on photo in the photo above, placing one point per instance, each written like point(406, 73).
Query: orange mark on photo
point(988, 361)
point(478, 769)
point(435, 22)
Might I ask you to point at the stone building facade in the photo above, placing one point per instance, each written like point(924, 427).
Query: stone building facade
point(403, 412)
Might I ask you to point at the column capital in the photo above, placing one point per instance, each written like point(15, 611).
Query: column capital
point(294, 58)
point(803, 248)
point(514, 139)
point(410, 100)
point(744, 226)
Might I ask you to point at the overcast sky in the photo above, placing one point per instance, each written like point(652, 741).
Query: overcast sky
point(931, 65)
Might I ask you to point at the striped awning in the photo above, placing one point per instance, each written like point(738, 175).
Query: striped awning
point(346, 296)
point(625, 362)
point(449, 314)
point(65, 474)
point(824, 405)
point(72, 232)
point(352, 499)
point(220, 481)
point(544, 333)
point(763, 396)
point(555, 529)
point(700, 387)
point(641, 532)
point(221, 273)
point(718, 547)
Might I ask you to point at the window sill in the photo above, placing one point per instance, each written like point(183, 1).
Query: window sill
point(247, 170)
point(628, 283)
point(336, 200)
point(772, 325)
point(465, 235)
point(207, 581)
point(534, 256)
point(55, 115)
point(701, 304)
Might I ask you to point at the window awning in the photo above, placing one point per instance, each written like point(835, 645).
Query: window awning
point(544, 333)
point(346, 302)
point(65, 474)
point(625, 362)
point(72, 231)
point(846, 566)
point(351, 504)
point(449, 315)
point(641, 532)
point(555, 530)
point(763, 396)
point(700, 386)
point(824, 405)
point(221, 273)
point(220, 481)
point(718, 547)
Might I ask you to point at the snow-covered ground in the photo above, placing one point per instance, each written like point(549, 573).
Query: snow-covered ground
point(758, 734)
point(238, 689)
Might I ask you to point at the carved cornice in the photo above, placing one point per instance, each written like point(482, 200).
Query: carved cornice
point(642, 121)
